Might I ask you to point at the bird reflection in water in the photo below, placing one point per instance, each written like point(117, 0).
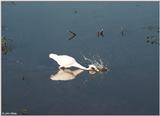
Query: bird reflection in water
point(67, 74)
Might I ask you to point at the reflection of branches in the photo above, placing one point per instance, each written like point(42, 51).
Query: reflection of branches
point(72, 35)
point(123, 31)
point(100, 33)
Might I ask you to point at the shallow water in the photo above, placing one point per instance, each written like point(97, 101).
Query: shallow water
point(39, 28)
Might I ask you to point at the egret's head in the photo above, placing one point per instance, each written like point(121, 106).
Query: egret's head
point(104, 69)
point(93, 67)
point(52, 56)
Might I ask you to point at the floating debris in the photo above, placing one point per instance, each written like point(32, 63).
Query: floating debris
point(147, 41)
point(152, 40)
point(151, 28)
point(72, 35)
point(75, 11)
point(147, 37)
point(100, 33)
point(24, 112)
point(22, 77)
point(123, 31)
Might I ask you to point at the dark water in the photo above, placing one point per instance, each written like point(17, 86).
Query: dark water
point(39, 28)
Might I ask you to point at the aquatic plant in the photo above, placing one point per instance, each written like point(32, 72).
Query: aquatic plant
point(153, 29)
point(5, 45)
point(152, 40)
point(23, 112)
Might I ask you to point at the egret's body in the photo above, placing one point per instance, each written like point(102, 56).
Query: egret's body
point(66, 61)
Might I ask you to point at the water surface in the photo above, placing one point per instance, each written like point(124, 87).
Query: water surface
point(39, 28)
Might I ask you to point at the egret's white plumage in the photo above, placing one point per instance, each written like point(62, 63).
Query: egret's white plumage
point(68, 61)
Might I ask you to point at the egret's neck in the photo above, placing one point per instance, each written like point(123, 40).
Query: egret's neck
point(80, 66)
point(89, 68)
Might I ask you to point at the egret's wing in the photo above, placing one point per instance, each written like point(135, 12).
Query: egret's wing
point(65, 60)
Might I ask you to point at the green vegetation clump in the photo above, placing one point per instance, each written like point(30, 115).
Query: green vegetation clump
point(24, 112)
point(4, 45)
point(152, 40)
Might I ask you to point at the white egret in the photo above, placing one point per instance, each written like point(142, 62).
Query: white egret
point(66, 61)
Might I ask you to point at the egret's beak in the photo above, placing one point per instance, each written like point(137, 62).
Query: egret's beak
point(96, 69)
